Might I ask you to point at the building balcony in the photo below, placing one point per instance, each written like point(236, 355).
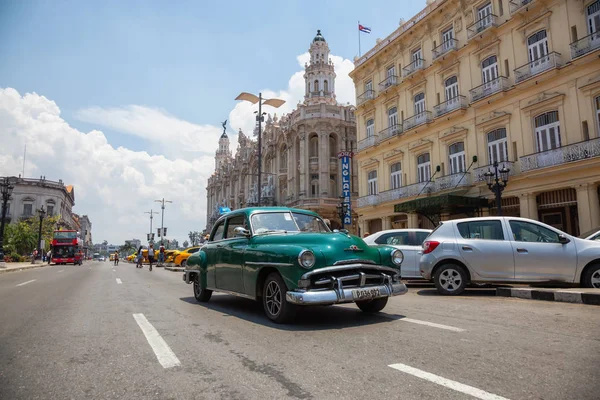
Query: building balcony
point(366, 96)
point(517, 5)
point(314, 160)
point(481, 25)
point(499, 84)
point(444, 48)
point(416, 120)
point(390, 81)
point(562, 155)
point(413, 67)
point(585, 45)
point(479, 172)
point(370, 200)
point(283, 170)
point(455, 103)
point(535, 67)
point(453, 181)
point(333, 160)
point(366, 143)
point(390, 132)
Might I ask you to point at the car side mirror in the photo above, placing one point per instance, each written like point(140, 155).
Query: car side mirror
point(240, 231)
point(562, 239)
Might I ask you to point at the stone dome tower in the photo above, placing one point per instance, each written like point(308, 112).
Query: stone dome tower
point(223, 153)
point(319, 74)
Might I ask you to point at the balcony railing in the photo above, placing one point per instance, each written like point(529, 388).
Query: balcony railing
point(333, 160)
point(416, 120)
point(388, 82)
point(370, 200)
point(499, 84)
point(413, 67)
point(544, 63)
point(366, 96)
point(481, 25)
point(562, 155)
point(390, 132)
point(366, 143)
point(479, 173)
point(516, 5)
point(458, 180)
point(446, 47)
point(455, 103)
point(585, 45)
point(314, 160)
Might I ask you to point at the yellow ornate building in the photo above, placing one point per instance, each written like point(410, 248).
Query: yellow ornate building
point(465, 84)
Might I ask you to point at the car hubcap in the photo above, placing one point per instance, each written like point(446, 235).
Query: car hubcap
point(596, 279)
point(273, 298)
point(197, 288)
point(450, 280)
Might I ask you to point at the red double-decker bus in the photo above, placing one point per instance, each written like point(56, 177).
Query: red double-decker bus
point(67, 247)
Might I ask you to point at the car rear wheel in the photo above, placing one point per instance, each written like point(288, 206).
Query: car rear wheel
point(591, 277)
point(450, 279)
point(372, 306)
point(275, 305)
point(201, 295)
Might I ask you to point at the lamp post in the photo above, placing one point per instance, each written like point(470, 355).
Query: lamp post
point(6, 189)
point(342, 209)
point(42, 214)
point(151, 217)
point(162, 218)
point(259, 119)
point(497, 181)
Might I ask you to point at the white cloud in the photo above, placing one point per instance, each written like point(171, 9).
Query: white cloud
point(242, 115)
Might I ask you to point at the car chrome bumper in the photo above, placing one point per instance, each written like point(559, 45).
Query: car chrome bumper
point(187, 276)
point(344, 295)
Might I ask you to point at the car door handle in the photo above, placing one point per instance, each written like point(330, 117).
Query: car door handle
point(467, 248)
point(522, 250)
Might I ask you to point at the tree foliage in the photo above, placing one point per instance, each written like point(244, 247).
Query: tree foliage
point(194, 238)
point(186, 244)
point(127, 248)
point(22, 236)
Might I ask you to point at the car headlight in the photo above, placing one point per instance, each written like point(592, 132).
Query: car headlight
point(306, 259)
point(397, 257)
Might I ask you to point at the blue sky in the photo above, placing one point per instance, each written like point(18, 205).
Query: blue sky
point(156, 78)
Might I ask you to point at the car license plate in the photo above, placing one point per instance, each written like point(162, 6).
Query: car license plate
point(365, 294)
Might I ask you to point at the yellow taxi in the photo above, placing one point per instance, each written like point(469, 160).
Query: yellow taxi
point(180, 259)
point(170, 255)
point(131, 257)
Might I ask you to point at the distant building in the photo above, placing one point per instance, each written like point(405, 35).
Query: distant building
point(29, 195)
point(136, 243)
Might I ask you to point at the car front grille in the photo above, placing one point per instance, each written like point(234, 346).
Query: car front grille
point(359, 276)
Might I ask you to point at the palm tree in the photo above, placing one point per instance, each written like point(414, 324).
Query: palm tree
point(127, 248)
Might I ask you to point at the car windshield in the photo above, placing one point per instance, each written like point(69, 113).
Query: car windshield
point(286, 222)
point(65, 235)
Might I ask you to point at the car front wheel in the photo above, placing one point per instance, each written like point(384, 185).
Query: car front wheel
point(450, 279)
point(591, 277)
point(201, 295)
point(183, 263)
point(275, 305)
point(372, 306)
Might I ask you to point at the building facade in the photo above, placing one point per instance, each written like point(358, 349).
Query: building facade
point(468, 83)
point(135, 243)
point(29, 195)
point(300, 165)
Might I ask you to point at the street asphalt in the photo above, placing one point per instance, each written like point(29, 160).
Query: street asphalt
point(102, 332)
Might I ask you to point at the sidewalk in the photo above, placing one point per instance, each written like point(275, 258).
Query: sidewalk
point(566, 295)
point(20, 266)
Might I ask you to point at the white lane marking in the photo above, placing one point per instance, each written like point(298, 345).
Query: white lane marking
point(113, 270)
point(459, 387)
point(62, 270)
point(119, 281)
point(25, 283)
point(432, 324)
point(163, 352)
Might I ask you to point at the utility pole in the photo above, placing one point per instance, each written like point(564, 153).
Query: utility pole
point(151, 217)
point(162, 218)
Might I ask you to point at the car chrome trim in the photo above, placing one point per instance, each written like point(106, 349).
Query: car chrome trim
point(269, 264)
point(341, 295)
point(245, 296)
point(349, 266)
point(353, 261)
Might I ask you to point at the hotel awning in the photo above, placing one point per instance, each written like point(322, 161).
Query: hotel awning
point(433, 206)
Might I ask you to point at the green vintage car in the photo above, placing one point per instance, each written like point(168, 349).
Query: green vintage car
point(287, 257)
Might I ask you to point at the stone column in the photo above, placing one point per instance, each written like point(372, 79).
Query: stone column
point(386, 223)
point(324, 164)
point(362, 224)
point(413, 220)
point(303, 164)
point(528, 205)
point(588, 207)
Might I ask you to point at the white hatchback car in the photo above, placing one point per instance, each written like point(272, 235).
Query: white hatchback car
point(410, 241)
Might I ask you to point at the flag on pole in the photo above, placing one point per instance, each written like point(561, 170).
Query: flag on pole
point(364, 29)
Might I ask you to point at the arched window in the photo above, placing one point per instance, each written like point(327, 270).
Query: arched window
point(325, 86)
point(489, 69)
point(593, 17)
point(547, 131)
point(537, 44)
point(370, 127)
point(423, 168)
point(497, 145)
point(372, 182)
point(457, 157)
point(419, 103)
point(332, 146)
point(314, 185)
point(451, 87)
point(396, 175)
point(314, 146)
point(316, 86)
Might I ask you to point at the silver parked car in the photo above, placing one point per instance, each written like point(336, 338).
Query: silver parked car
point(594, 234)
point(410, 241)
point(506, 249)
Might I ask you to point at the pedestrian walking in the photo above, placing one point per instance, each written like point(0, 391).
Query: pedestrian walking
point(151, 255)
point(49, 256)
point(138, 260)
point(161, 255)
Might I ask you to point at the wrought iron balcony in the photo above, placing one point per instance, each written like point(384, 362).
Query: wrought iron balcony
point(585, 45)
point(391, 80)
point(406, 191)
point(544, 63)
point(413, 67)
point(453, 181)
point(479, 172)
point(562, 155)
point(499, 84)
point(446, 47)
point(366, 96)
point(455, 103)
point(370, 200)
point(416, 120)
point(314, 160)
point(516, 5)
point(366, 143)
point(390, 132)
point(481, 25)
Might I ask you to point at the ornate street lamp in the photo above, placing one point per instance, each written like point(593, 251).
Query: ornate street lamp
point(42, 214)
point(6, 189)
point(497, 181)
point(260, 119)
point(342, 209)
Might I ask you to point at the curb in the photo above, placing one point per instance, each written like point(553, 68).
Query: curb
point(174, 269)
point(32, 266)
point(551, 295)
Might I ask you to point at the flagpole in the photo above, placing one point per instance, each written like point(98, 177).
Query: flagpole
point(359, 39)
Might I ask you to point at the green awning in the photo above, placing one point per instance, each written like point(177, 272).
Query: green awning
point(442, 203)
